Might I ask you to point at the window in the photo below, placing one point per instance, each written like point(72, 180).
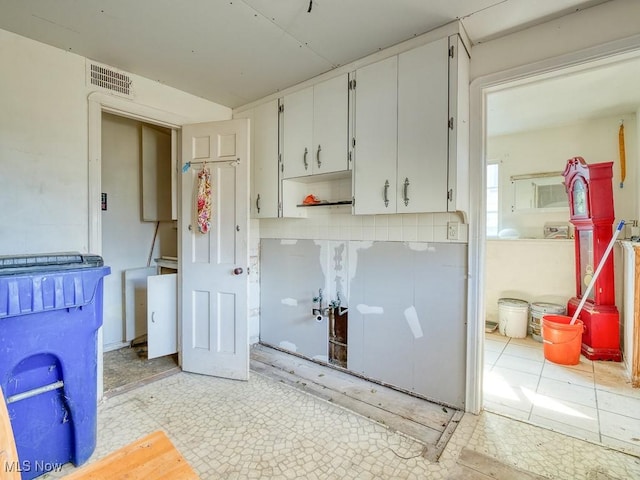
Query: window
point(492, 200)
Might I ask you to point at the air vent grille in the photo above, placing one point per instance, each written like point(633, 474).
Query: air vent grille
point(110, 79)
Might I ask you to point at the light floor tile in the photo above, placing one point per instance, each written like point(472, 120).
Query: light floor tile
point(548, 453)
point(524, 351)
point(525, 342)
point(520, 364)
point(566, 412)
point(621, 427)
point(620, 404)
point(565, 428)
point(565, 391)
point(264, 429)
point(515, 378)
point(518, 412)
point(490, 357)
point(494, 345)
point(565, 373)
point(631, 448)
point(614, 381)
point(497, 337)
point(593, 400)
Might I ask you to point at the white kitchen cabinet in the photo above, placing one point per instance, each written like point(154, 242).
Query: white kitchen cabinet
point(297, 133)
point(376, 134)
point(264, 191)
point(330, 125)
point(458, 193)
point(423, 115)
point(411, 133)
point(315, 129)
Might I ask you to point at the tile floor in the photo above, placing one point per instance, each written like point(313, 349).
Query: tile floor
point(593, 400)
point(264, 429)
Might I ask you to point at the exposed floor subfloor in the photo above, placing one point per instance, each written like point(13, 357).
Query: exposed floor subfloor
point(127, 367)
point(593, 400)
point(429, 423)
point(266, 429)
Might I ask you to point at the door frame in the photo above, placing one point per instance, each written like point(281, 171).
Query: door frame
point(478, 90)
point(97, 104)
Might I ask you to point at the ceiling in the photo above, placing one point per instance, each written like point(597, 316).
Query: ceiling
point(233, 52)
point(599, 89)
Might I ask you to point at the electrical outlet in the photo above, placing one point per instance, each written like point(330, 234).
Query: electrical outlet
point(452, 230)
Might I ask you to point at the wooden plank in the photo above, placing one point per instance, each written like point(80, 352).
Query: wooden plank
point(490, 467)
point(8, 453)
point(417, 410)
point(425, 435)
point(635, 365)
point(153, 457)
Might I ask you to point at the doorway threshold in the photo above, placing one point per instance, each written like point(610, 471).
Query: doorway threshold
point(429, 423)
point(128, 368)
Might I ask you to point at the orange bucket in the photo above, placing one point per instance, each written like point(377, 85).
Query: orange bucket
point(562, 341)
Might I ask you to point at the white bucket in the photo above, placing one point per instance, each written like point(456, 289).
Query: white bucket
point(538, 310)
point(513, 316)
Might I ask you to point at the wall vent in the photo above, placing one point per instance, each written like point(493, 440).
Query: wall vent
point(110, 79)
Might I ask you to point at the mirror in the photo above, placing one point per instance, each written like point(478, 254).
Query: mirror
point(541, 192)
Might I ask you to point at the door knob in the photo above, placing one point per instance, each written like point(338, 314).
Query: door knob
point(238, 271)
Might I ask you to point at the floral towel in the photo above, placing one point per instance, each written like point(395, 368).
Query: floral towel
point(204, 200)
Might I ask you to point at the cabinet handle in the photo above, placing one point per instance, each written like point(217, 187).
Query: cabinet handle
point(405, 192)
point(258, 203)
point(386, 193)
point(318, 156)
point(304, 158)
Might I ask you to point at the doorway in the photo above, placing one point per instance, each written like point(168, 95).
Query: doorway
point(533, 126)
point(219, 144)
point(139, 243)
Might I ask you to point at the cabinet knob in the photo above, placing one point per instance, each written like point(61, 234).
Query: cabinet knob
point(304, 158)
point(238, 271)
point(258, 203)
point(318, 156)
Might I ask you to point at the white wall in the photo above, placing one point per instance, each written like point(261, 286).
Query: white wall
point(532, 270)
point(44, 143)
point(548, 150)
point(593, 27)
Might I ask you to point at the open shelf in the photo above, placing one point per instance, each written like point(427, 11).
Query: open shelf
point(326, 204)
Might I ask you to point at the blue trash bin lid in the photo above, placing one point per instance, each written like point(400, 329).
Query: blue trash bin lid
point(42, 262)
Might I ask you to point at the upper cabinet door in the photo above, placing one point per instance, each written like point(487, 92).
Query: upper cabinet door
point(330, 125)
point(459, 133)
point(423, 113)
point(264, 192)
point(376, 130)
point(297, 154)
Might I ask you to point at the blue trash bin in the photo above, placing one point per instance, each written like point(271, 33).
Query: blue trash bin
point(50, 313)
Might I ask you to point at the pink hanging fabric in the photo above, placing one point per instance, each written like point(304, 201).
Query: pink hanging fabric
point(204, 200)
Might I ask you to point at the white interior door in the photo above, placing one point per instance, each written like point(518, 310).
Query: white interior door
point(215, 339)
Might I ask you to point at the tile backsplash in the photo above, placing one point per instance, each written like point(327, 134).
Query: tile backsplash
point(337, 223)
